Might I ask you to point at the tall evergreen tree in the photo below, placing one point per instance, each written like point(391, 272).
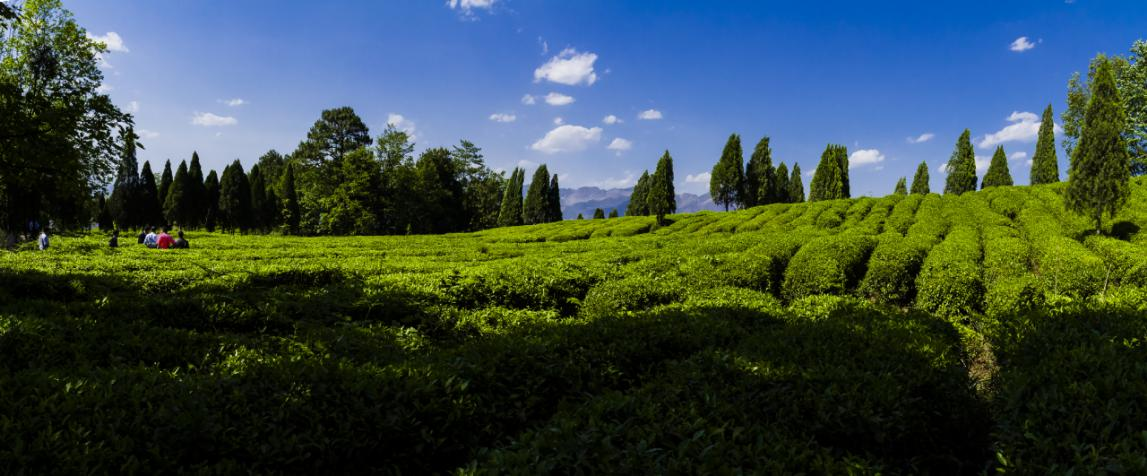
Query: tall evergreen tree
point(510, 213)
point(125, 204)
point(598, 214)
point(661, 199)
point(962, 167)
point(828, 181)
point(613, 213)
point(290, 208)
point(258, 198)
point(271, 166)
point(901, 186)
point(440, 209)
point(176, 206)
point(149, 197)
point(920, 180)
point(235, 198)
point(555, 200)
point(842, 159)
point(638, 205)
point(727, 180)
point(196, 194)
point(536, 207)
point(104, 218)
point(796, 185)
point(211, 195)
point(1100, 164)
point(759, 175)
point(998, 174)
point(781, 183)
point(1045, 165)
point(165, 181)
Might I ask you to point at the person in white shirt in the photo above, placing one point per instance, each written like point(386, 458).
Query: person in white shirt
point(151, 238)
point(43, 239)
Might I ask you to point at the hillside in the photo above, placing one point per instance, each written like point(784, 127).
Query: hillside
point(900, 335)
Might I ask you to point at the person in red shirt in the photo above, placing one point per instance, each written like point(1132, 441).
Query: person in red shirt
point(164, 241)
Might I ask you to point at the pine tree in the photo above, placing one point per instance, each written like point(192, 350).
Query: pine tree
point(1045, 165)
point(998, 174)
point(579, 217)
point(555, 200)
point(149, 197)
point(901, 186)
point(613, 213)
point(104, 219)
point(920, 180)
point(125, 204)
point(196, 194)
point(535, 208)
point(962, 167)
point(258, 198)
point(1100, 163)
point(796, 185)
point(176, 205)
point(662, 198)
point(727, 180)
point(842, 160)
point(638, 203)
point(235, 198)
point(291, 214)
point(598, 214)
point(829, 180)
point(781, 184)
point(165, 181)
point(211, 195)
point(510, 214)
point(759, 176)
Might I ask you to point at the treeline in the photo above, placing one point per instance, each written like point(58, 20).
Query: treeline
point(758, 182)
point(338, 181)
point(653, 195)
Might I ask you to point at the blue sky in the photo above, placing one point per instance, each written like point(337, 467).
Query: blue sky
point(235, 79)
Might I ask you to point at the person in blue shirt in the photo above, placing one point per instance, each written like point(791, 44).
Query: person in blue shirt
point(151, 239)
point(43, 239)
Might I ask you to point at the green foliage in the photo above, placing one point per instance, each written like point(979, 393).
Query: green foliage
point(177, 205)
point(830, 181)
point(796, 185)
point(165, 181)
point(439, 206)
point(998, 174)
point(234, 198)
point(196, 194)
point(598, 214)
point(760, 178)
point(1045, 164)
point(289, 212)
point(510, 213)
point(1098, 180)
point(901, 186)
point(726, 181)
point(536, 208)
point(891, 269)
point(781, 184)
point(661, 199)
point(613, 213)
point(829, 265)
point(1130, 74)
point(962, 167)
point(950, 281)
point(920, 184)
point(554, 201)
point(638, 199)
point(211, 191)
point(148, 197)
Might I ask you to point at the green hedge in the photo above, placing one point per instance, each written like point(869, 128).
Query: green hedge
point(1065, 265)
point(893, 268)
point(1127, 262)
point(903, 214)
point(951, 282)
point(829, 265)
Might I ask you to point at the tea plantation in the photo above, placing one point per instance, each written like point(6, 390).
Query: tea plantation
point(908, 334)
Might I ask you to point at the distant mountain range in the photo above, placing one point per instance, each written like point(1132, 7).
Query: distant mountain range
point(584, 200)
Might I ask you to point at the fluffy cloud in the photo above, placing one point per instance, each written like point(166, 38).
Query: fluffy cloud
point(567, 138)
point(236, 102)
point(611, 119)
point(982, 164)
point(925, 137)
point(467, 7)
point(529, 100)
point(112, 40)
point(1024, 127)
point(146, 134)
point(1021, 44)
point(559, 121)
point(620, 145)
point(403, 124)
point(649, 115)
point(569, 67)
point(702, 177)
point(1018, 155)
point(208, 119)
point(864, 157)
point(499, 117)
point(558, 99)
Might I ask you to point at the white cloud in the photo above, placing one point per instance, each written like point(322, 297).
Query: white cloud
point(1024, 127)
point(529, 100)
point(403, 124)
point(569, 67)
point(233, 102)
point(559, 121)
point(567, 138)
point(625, 182)
point(1017, 155)
point(1021, 44)
point(558, 99)
point(943, 168)
point(982, 163)
point(467, 7)
point(527, 164)
point(1029, 162)
point(611, 119)
point(620, 145)
point(105, 88)
point(111, 40)
point(133, 107)
point(146, 134)
point(208, 119)
point(649, 115)
point(925, 137)
point(702, 177)
point(500, 117)
point(864, 157)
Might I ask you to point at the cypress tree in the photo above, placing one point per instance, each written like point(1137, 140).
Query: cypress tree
point(536, 209)
point(1045, 165)
point(613, 213)
point(125, 201)
point(727, 181)
point(196, 193)
point(176, 204)
point(796, 185)
point(271, 207)
point(998, 174)
point(235, 198)
point(759, 176)
point(962, 167)
point(165, 186)
point(555, 200)
point(211, 201)
point(149, 197)
point(829, 180)
point(579, 217)
point(842, 164)
point(901, 186)
point(781, 183)
point(662, 198)
point(104, 219)
point(258, 198)
point(920, 180)
point(290, 209)
point(510, 213)
point(1100, 164)
point(638, 203)
point(598, 214)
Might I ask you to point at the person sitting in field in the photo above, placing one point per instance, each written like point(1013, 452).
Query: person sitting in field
point(181, 242)
point(164, 240)
point(114, 241)
point(151, 238)
point(43, 239)
point(142, 235)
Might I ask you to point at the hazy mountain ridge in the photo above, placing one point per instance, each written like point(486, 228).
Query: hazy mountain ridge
point(584, 200)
